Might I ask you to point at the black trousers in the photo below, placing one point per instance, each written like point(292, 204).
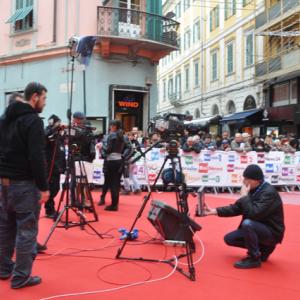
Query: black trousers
point(113, 179)
point(54, 186)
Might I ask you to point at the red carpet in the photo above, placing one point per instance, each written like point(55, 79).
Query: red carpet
point(73, 271)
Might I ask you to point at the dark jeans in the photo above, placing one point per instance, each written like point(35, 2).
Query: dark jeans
point(113, 177)
point(252, 235)
point(19, 214)
point(54, 186)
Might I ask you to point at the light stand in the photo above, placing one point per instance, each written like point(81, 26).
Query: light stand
point(71, 175)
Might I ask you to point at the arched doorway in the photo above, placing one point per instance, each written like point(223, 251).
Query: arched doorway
point(197, 113)
point(249, 103)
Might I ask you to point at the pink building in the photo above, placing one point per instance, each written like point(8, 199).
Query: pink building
point(120, 82)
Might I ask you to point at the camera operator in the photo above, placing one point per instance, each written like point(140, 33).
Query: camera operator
point(55, 156)
point(262, 225)
point(23, 185)
point(117, 150)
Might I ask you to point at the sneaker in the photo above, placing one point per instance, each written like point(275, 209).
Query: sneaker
point(5, 275)
point(248, 262)
point(266, 252)
point(111, 208)
point(31, 281)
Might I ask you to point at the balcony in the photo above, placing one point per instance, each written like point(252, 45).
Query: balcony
point(280, 10)
point(278, 65)
point(175, 99)
point(137, 30)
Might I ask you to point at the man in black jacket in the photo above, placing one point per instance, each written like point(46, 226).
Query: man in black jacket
point(262, 225)
point(23, 185)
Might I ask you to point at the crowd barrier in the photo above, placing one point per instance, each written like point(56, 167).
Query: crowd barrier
point(216, 168)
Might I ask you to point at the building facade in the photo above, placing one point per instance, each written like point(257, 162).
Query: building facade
point(213, 72)
point(279, 67)
point(120, 81)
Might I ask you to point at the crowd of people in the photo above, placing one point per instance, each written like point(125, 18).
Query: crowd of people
point(241, 142)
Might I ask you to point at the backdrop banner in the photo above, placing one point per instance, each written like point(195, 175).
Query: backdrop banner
point(216, 168)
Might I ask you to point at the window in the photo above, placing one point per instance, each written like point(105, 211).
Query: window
point(249, 49)
point(178, 85)
point(178, 10)
point(23, 16)
point(187, 78)
point(215, 110)
point(285, 93)
point(229, 56)
point(170, 88)
point(187, 39)
point(186, 4)
point(230, 8)
point(196, 74)
point(197, 113)
point(196, 31)
point(281, 94)
point(214, 18)
point(214, 66)
point(128, 16)
point(164, 90)
point(231, 107)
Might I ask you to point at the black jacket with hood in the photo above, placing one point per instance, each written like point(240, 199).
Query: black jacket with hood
point(22, 143)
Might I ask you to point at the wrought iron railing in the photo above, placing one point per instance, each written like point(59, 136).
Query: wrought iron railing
point(135, 24)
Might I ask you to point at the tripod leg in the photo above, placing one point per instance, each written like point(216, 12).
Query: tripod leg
point(146, 199)
point(54, 226)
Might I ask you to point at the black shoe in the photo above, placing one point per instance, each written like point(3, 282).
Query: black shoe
point(4, 276)
point(111, 208)
point(266, 252)
point(248, 263)
point(31, 281)
point(101, 201)
point(41, 248)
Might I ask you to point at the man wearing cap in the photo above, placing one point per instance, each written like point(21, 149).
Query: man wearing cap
point(262, 225)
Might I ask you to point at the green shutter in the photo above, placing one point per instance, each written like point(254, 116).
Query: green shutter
point(230, 58)
point(226, 9)
point(217, 16)
point(211, 20)
point(233, 7)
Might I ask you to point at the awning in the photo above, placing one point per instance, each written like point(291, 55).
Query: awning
point(20, 14)
point(203, 122)
point(240, 117)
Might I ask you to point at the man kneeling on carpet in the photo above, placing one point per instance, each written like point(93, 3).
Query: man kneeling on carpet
point(262, 225)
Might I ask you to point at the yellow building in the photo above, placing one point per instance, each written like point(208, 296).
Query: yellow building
point(279, 66)
point(213, 73)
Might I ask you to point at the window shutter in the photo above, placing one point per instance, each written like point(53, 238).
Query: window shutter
point(211, 20)
point(226, 9)
point(217, 16)
point(233, 7)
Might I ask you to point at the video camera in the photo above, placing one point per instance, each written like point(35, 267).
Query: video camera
point(170, 126)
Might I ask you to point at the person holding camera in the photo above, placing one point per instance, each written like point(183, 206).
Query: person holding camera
point(23, 185)
point(262, 226)
point(55, 156)
point(117, 150)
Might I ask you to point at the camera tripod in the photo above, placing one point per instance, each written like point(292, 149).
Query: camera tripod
point(76, 195)
point(182, 208)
